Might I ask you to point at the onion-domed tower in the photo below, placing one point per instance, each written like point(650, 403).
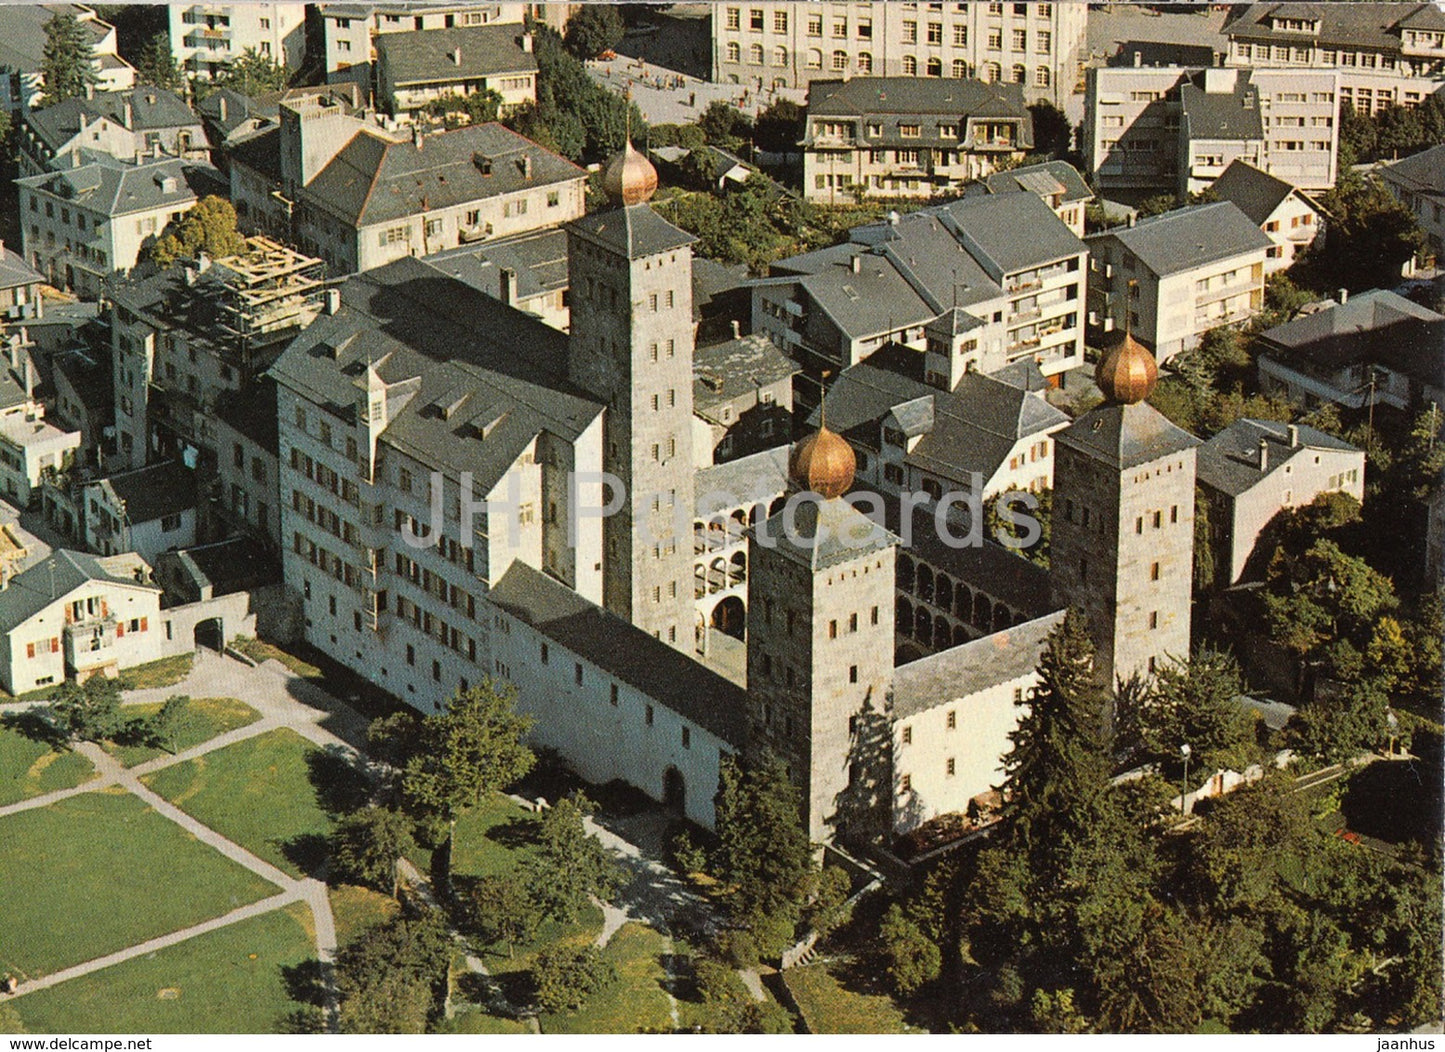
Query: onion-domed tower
point(1121, 544)
point(823, 463)
point(631, 348)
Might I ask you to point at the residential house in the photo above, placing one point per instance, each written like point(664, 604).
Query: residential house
point(777, 44)
point(207, 38)
point(30, 446)
point(526, 271)
point(73, 615)
point(415, 69)
point(144, 121)
point(1254, 469)
point(1175, 129)
point(84, 399)
point(146, 511)
point(1288, 216)
point(1057, 183)
point(742, 399)
point(83, 224)
point(1375, 349)
point(1170, 278)
point(22, 53)
point(908, 137)
point(1419, 182)
point(350, 31)
point(1385, 53)
point(20, 299)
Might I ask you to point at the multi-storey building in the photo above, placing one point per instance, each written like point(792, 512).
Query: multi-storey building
point(415, 69)
point(126, 125)
point(1289, 217)
point(350, 31)
point(775, 44)
point(1386, 54)
point(742, 399)
point(1170, 278)
point(207, 38)
point(905, 137)
point(1121, 546)
point(147, 511)
point(977, 284)
point(22, 53)
point(1176, 129)
point(1419, 182)
point(20, 298)
point(1057, 183)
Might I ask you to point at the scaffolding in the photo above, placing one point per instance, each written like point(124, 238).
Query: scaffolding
point(266, 293)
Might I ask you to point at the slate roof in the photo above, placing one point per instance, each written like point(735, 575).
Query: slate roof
point(622, 650)
point(1232, 115)
point(1422, 172)
point(152, 492)
point(152, 109)
point(373, 179)
point(633, 231)
point(1126, 436)
point(425, 57)
point(758, 478)
point(819, 534)
point(930, 261)
point(475, 363)
point(1229, 462)
point(260, 152)
point(1376, 326)
point(1041, 179)
point(22, 33)
point(60, 573)
point(114, 188)
point(538, 259)
point(1255, 192)
point(90, 379)
point(1186, 238)
point(927, 102)
point(1353, 25)
point(15, 271)
point(239, 109)
point(726, 371)
point(960, 672)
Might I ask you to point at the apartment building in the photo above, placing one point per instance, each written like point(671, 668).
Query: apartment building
point(1170, 278)
point(127, 125)
point(206, 38)
point(775, 44)
point(30, 446)
point(248, 468)
point(1419, 182)
point(1289, 217)
point(906, 137)
point(22, 53)
point(1385, 53)
point(20, 298)
point(1057, 183)
point(1175, 129)
point(349, 31)
point(415, 69)
point(80, 225)
point(976, 285)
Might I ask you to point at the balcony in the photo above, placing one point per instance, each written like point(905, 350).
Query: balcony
point(90, 644)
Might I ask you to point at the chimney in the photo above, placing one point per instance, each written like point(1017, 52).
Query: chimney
point(737, 329)
point(456, 56)
point(856, 264)
point(1342, 295)
point(508, 282)
point(1138, 59)
point(1263, 455)
point(1133, 218)
point(12, 351)
point(526, 163)
point(129, 114)
point(416, 136)
point(29, 378)
point(1293, 436)
point(527, 43)
point(203, 262)
point(333, 300)
point(221, 103)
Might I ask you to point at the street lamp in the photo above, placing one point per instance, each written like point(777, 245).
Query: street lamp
point(1184, 751)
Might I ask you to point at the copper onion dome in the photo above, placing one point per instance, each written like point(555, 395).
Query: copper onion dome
point(1127, 373)
point(823, 463)
point(629, 178)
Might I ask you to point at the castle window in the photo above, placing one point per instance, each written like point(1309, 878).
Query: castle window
point(907, 735)
point(1174, 513)
point(951, 767)
point(1139, 524)
point(875, 615)
point(649, 715)
point(1158, 519)
point(832, 629)
point(1154, 572)
point(853, 622)
point(578, 674)
point(1153, 618)
point(905, 784)
point(544, 653)
point(952, 721)
point(852, 673)
point(613, 697)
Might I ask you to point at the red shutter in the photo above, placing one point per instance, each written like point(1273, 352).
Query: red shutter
point(119, 629)
point(30, 650)
point(55, 644)
point(143, 624)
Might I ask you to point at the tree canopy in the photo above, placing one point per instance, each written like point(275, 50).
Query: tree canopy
point(593, 29)
point(209, 226)
point(67, 60)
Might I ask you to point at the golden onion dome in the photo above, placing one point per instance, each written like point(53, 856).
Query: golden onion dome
point(823, 463)
point(629, 178)
point(1127, 372)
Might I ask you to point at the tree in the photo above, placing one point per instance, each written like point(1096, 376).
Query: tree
point(565, 976)
point(1192, 703)
point(1371, 236)
point(86, 712)
point(472, 749)
point(910, 957)
point(366, 845)
point(156, 64)
point(996, 527)
point(731, 1008)
point(570, 866)
point(388, 982)
point(477, 107)
point(394, 739)
point(573, 115)
point(67, 60)
point(593, 29)
point(209, 226)
point(172, 720)
point(779, 128)
point(725, 126)
point(252, 73)
point(763, 852)
point(1053, 135)
point(503, 909)
point(1238, 850)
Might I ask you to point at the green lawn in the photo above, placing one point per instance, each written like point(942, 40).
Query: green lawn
point(356, 909)
point(259, 793)
point(486, 840)
point(637, 1002)
point(231, 980)
point(97, 872)
point(30, 768)
point(256, 650)
point(205, 718)
point(166, 672)
point(829, 1008)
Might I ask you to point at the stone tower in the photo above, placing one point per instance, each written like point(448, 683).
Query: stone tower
point(631, 346)
point(1122, 542)
point(820, 631)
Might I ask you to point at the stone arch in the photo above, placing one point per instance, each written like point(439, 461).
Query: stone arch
point(942, 634)
point(925, 584)
point(923, 627)
point(982, 611)
point(903, 615)
point(943, 592)
point(960, 635)
point(674, 790)
point(1000, 617)
point(904, 572)
point(730, 617)
point(962, 603)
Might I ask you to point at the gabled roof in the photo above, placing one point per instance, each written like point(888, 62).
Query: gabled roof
point(150, 109)
point(1255, 192)
point(624, 651)
point(914, 96)
point(114, 188)
point(963, 671)
point(632, 231)
point(57, 575)
point(726, 371)
point(1368, 25)
point(427, 56)
point(1125, 436)
point(537, 260)
point(15, 271)
point(1030, 177)
point(1229, 462)
point(373, 179)
point(151, 492)
point(753, 479)
point(1422, 172)
point(1191, 237)
point(1232, 115)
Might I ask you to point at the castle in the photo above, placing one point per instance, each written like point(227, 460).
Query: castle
point(477, 495)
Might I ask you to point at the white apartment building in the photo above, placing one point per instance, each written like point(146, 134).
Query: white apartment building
point(349, 31)
point(1385, 53)
point(1172, 277)
point(206, 38)
point(776, 44)
point(1176, 129)
point(418, 68)
point(1288, 216)
point(22, 53)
